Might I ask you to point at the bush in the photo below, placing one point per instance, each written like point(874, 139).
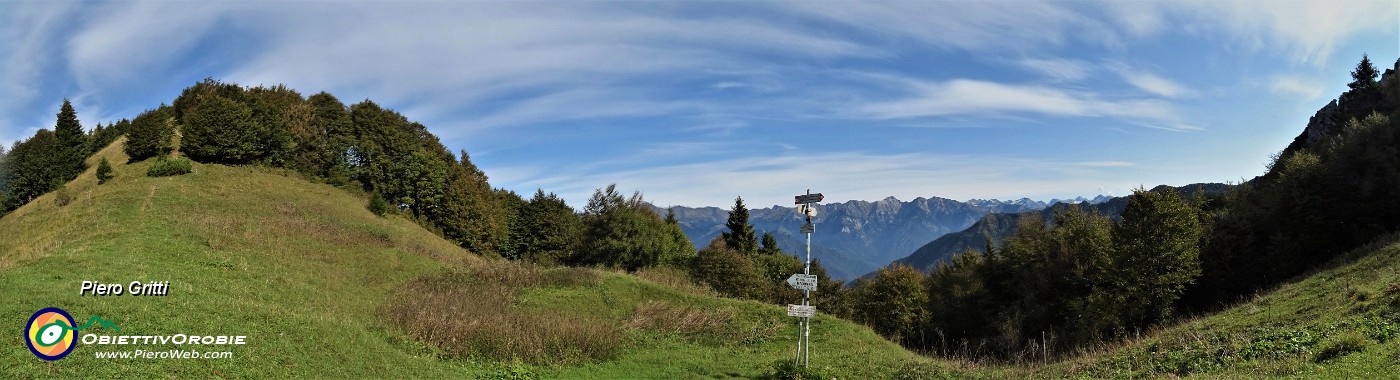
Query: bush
point(62, 197)
point(165, 167)
point(378, 205)
point(727, 271)
point(104, 171)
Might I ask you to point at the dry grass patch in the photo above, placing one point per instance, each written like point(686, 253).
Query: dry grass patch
point(675, 279)
point(684, 320)
point(474, 314)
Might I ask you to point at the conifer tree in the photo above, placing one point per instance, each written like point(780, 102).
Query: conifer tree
point(72, 143)
point(770, 245)
point(1365, 74)
point(32, 169)
point(741, 236)
point(104, 171)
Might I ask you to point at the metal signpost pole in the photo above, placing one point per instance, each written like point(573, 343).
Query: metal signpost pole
point(807, 293)
point(806, 282)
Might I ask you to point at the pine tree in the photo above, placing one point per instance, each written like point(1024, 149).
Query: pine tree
point(1365, 74)
point(671, 216)
point(72, 143)
point(4, 177)
point(104, 171)
point(770, 245)
point(741, 236)
point(32, 169)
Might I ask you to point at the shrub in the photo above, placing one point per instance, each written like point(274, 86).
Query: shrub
point(165, 167)
point(62, 197)
point(378, 205)
point(728, 271)
point(104, 171)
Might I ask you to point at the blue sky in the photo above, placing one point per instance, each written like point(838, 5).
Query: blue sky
point(695, 103)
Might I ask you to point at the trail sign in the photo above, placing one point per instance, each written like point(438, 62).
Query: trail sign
point(803, 281)
point(808, 228)
point(808, 198)
point(806, 311)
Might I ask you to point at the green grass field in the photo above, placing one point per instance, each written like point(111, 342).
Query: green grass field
point(314, 281)
point(322, 288)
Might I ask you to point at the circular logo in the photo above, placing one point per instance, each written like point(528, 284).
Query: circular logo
point(50, 334)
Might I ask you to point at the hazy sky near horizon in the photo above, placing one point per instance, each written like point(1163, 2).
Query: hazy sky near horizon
point(693, 103)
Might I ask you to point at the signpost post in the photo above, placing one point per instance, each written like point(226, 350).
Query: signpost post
point(806, 282)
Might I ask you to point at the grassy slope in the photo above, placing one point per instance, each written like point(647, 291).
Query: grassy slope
point(1278, 334)
point(305, 272)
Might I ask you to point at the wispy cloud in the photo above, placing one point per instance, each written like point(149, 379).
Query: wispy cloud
point(1058, 68)
point(975, 26)
point(964, 96)
point(1309, 31)
point(1305, 90)
point(1147, 81)
point(503, 77)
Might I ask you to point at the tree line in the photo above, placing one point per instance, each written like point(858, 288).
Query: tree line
point(1083, 278)
point(50, 158)
point(402, 167)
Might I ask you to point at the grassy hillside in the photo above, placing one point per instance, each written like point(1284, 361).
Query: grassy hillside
point(323, 288)
point(1342, 322)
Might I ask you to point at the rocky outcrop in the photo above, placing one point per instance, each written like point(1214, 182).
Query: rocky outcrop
point(1324, 123)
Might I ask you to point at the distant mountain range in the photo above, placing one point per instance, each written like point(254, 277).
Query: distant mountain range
point(856, 237)
point(997, 226)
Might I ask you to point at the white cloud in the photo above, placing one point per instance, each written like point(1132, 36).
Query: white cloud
point(126, 41)
point(976, 26)
point(1138, 18)
point(1289, 85)
point(28, 30)
point(964, 96)
point(1309, 31)
point(1149, 82)
point(1068, 70)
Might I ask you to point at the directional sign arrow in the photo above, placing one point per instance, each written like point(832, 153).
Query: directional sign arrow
point(808, 198)
point(803, 281)
point(808, 228)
